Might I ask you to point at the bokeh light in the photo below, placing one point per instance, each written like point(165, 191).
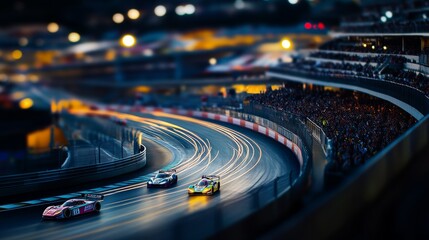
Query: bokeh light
point(212, 61)
point(133, 14)
point(286, 43)
point(17, 54)
point(128, 40)
point(26, 103)
point(118, 18)
point(74, 37)
point(53, 27)
point(160, 10)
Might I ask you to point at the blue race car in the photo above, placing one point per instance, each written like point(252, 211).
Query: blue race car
point(164, 178)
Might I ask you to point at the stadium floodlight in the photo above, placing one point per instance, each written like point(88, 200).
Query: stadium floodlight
point(160, 10)
point(74, 37)
point(53, 27)
point(212, 61)
point(128, 40)
point(118, 18)
point(389, 14)
point(133, 14)
point(286, 43)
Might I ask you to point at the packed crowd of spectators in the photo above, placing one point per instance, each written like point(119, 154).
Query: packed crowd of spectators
point(358, 58)
point(394, 73)
point(374, 12)
point(409, 78)
point(390, 27)
point(408, 16)
point(347, 45)
point(342, 70)
point(359, 125)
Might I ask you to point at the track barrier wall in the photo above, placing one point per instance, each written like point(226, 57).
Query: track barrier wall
point(45, 180)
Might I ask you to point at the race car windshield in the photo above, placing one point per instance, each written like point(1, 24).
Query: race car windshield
point(67, 204)
point(161, 175)
point(203, 183)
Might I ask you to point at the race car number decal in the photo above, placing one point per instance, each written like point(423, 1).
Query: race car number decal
point(88, 208)
point(76, 211)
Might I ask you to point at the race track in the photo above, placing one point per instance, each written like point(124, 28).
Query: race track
point(244, 160)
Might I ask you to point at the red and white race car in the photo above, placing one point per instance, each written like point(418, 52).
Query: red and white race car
point(89, 203)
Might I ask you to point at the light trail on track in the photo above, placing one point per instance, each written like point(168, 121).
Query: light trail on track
point(243, 159)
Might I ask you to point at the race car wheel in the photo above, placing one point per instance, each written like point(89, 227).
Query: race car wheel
point(97, 207)
point(218, 186)
point(175, 180)
point(67, 213)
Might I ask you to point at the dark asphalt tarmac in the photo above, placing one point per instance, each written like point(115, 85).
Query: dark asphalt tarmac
point(244, 160)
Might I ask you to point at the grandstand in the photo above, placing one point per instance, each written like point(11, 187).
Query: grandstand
point(387, 43)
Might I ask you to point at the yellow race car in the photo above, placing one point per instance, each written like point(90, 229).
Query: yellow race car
point(208, 185)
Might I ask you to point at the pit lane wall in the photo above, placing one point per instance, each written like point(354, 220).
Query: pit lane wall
point(258, 209)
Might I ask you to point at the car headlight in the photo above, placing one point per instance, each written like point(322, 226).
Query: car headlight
point(149, 182)
point(207, 189)
point(58, 211)
point(191, 190)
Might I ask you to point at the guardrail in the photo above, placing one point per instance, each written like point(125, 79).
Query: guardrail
point(41, 181)
point(47, 180)
point(92, 142)
point(321, 138)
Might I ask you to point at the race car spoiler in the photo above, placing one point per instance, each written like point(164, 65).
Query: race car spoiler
point(212, 177)
point(167, 171)
point(94, 197)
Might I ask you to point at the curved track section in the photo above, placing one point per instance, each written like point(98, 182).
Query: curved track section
point(244, 160)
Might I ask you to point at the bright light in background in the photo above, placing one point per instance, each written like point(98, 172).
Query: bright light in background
point(148, 52)
point(186, 9)
point(118, 18)
point(364, 45)
point(23, 42)
point(286, 44)
point(160, 11)
point(17, 95)
point(212, 61)
point(17, 54)
point(26, 103)
point(128, 40)
point(389, 14)
point(307, 25)
point(384, 48)
point(53, 27)
point(180, 10)
point(383, 19)
point(74, 37)
point(373, 47)
point(189, 9)
point(239, 4)
point(133, 14)
point(293, 1)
